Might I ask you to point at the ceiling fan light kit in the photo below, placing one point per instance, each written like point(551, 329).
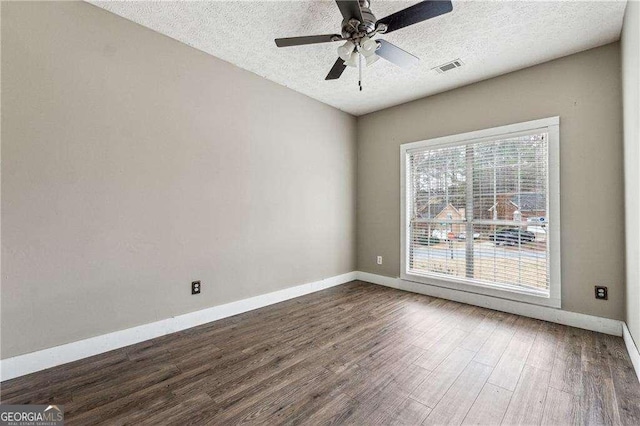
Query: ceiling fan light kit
point(345, 51)
point(352, 60)
point(368, 46)
point(359, 26)
point(372, 59)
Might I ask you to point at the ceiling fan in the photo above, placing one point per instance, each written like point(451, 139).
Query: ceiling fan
point(359, 26)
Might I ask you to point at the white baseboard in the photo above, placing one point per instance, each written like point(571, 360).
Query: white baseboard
point(51, 357)
point(634, 353)
point(574, 319)
point(35, 361)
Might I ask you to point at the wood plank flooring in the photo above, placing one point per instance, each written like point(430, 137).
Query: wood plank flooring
point(355, 354)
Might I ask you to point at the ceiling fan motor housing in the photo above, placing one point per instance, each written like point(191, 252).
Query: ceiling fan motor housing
point(367, 26)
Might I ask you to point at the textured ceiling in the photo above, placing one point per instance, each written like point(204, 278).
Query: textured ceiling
point(490, 37)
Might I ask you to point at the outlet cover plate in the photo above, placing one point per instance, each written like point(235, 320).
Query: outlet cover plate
point(602, 292)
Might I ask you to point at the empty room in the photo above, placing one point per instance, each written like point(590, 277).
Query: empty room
point(352, 212)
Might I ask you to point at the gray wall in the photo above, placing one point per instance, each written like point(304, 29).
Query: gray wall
point(630, 48)
point(584, 90)
point(134, 164)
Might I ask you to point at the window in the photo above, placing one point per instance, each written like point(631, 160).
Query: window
point(480, 212)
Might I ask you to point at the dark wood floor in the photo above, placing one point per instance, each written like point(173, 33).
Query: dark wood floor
point(354, 354)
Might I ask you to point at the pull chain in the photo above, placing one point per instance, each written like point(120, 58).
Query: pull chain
point(359, 70)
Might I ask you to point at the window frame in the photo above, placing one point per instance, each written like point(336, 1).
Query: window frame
point(551, 126)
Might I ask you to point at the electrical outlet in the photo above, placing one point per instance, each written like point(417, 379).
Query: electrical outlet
point(602, 293)
point(195, 287)
point(379, 260)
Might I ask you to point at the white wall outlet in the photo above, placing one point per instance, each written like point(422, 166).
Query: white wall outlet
point(379, 260)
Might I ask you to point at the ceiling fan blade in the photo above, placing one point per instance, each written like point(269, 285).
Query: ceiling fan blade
point(336, 70)
point(395, 55)
point(350, 9)
point(416, 13)
point(299, 41)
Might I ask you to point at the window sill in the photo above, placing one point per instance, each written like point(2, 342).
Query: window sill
point(503, 292)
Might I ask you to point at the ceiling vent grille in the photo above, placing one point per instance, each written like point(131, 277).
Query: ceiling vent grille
point(456, 63)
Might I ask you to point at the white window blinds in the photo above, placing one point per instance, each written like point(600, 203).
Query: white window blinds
point(478, 211)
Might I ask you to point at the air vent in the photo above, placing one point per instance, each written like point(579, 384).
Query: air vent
point(456, 63)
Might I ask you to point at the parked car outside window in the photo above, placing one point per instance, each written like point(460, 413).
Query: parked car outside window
point(512, 237)
point(463, 235)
